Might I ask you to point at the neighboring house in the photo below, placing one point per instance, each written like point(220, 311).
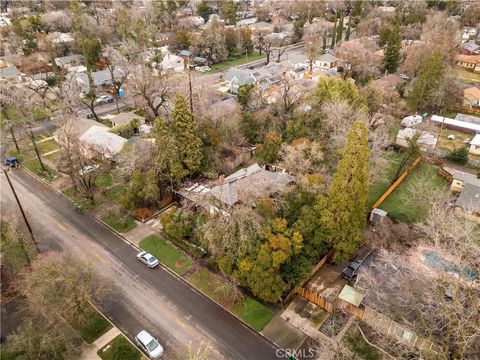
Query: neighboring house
point(325, 62)
point(60, 38)
point(70, 61)
point(173, 63)
point(471, 97)
point(201, 61)
point(186, 54)
point(426, 141)
point(246, 22)
point(237, 78)
point(261, 26)
point(469, 201)
point(73, 128)
point(298, 61)
point(192, 21)
point(97, 140)
point(469, 33)
point(244, 186)
point(10, 73)
point(100, 78)
point(475, 145)
point(468, 126)
point(470, 48)
point(469, 62)
point(125, 118)
point(388, 82)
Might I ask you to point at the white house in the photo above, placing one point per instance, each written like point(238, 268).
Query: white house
point(475, 145)
point(173, 62)
point(325, 62)
point(61, 38)
point(426, 141)
point(97, 140)
point(237, 78)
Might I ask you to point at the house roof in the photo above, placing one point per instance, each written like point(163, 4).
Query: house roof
point(472, 93)
point(473, 59)
point(297, 58)
point(199, 59)
point(470, 46)
point(59, 37)
point(100, 77)
point(185, 53)
point(468, 118)
point(467, 178)
point(327, 58)
point(243, 77)
point(469, 198)
point(454, 122)
point(126, 117)
point(475, 141)
point(425, 138)
point(68, 60)
point(100, 139)
point(254, 181)
point(9, 72)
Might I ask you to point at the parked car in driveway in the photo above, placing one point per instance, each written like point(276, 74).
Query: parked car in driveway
point(149, 344)
point(351, 271)
point(148, 259)
point(104, 99)
point(411, 120)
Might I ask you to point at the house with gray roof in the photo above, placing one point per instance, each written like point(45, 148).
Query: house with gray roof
point(100, 78)
point(10, 73)
point(69, 61)
point(470, 47)
point(237, 78)
point(99, 141)
point(469, 201)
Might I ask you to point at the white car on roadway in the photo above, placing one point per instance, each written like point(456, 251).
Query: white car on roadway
point(149, 344)
point(148, 259)
point(411, 120)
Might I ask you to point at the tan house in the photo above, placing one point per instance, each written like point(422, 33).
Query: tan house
point(469, 62)
point(471, 97)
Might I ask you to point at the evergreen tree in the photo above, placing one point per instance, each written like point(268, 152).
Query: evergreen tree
point(188, 142)
point(334, 33)
point(428, 81)
point(324, 46)
point(340, 29)
point(204, 10)
point(392, 50)
point(347, 34)
point(344, 215)
point(298, 30)
point(229, 12)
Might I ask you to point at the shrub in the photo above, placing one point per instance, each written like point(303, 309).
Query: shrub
point(459, 156)
point(142, 213)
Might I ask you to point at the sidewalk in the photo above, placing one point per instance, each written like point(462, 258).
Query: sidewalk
point(90, 351)
point(140, 232)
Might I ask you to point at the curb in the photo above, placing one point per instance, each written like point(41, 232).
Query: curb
point(121, 331)
point(119, 235)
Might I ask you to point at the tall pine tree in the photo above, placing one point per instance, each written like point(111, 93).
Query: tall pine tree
point(185, 130)
point(344, 215)
point(334, 33)
point(427, 83)
point(391, 57)
point(340, 28)
point(349, 30)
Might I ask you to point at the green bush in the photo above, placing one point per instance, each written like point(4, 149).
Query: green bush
point(459, 156)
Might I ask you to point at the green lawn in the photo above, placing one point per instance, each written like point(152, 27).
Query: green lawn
point(167, 254)
point(398, 203)
point(235, 62)
point(30, 161)
point(249, 310)
point(119, 349)
point(40, 113)
point(47, 146)
point(104, 180)
point(117, 224)
point(355, 342)
point(92, 327)
point(379, 187)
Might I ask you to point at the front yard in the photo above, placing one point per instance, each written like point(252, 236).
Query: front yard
point(91, 326)
point(167, 254)
point(236, 62)
point(249, 310)
point(119, 349)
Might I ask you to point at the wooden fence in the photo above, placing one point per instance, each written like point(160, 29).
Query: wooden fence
point(396, 183)
point(315, 298)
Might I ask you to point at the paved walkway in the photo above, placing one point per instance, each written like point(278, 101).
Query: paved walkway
point(90, 351)
point(140, 232)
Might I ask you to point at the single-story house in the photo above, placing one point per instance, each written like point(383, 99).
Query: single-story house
point(475, 145)
point(198, 60)
point(469, 200)
point(246, 22)
point(469, 62)
point(125, 118)
point(60, 38)
point(97, 140)
point(460, 178)
point(173, 63)
point(243, 186)
point(73, 128)
point(100, 78)
point(471, 97)
point(456, 124)
point(470, 48)
point(237, 78)
point(426, 140)
point(185, 54)
point(68, 61)
point(298, 61)
point(325, 62)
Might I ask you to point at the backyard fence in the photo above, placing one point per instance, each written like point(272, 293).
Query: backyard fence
point(315, 298)
point(396, 183)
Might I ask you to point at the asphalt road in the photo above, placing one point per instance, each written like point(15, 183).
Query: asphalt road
point(184, 313)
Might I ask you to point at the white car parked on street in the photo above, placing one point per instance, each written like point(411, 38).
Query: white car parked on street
point(149, 344)
point(148, 259)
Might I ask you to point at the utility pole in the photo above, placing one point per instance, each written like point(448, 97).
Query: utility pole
point(23, 212)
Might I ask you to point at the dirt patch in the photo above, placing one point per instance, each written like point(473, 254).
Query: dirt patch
point(334, 323)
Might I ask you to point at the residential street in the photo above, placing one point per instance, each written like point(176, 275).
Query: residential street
point(152, 299)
